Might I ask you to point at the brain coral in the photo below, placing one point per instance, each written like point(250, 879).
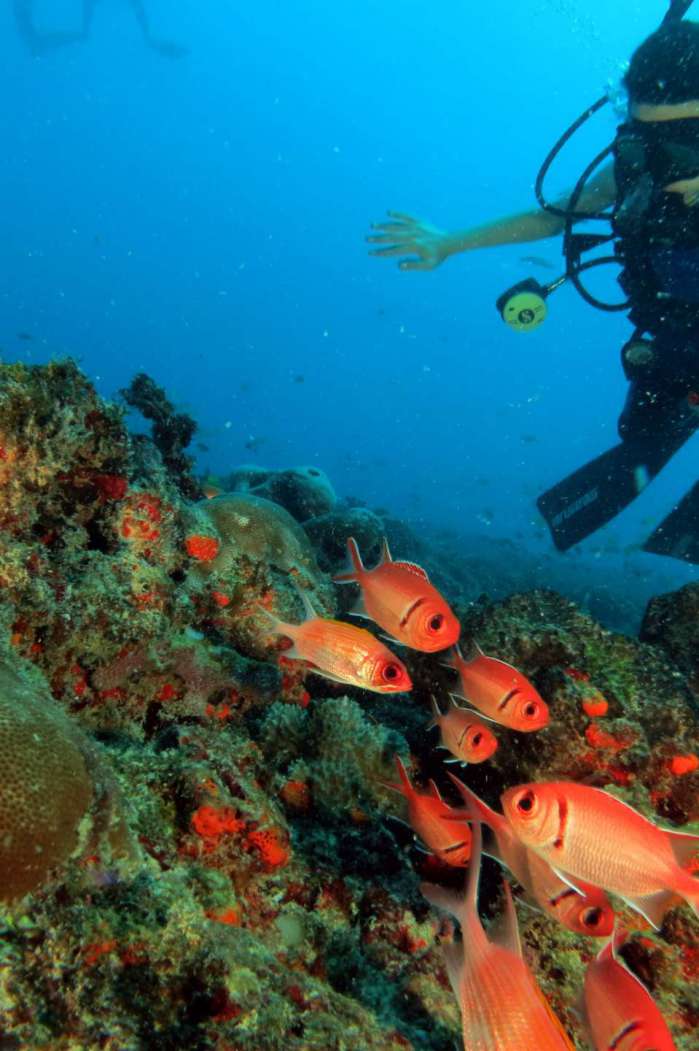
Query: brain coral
point(262, 531)
point(45, 788)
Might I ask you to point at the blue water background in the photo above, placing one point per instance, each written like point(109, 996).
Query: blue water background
point(203, 220)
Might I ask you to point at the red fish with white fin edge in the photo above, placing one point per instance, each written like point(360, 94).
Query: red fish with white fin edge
point(400, 599)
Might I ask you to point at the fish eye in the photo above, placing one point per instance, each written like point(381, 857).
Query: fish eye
point(391, 672)
point(525, 803)
point(477, 738)
point(531, 710)
point(436, 622)
point(591, 917)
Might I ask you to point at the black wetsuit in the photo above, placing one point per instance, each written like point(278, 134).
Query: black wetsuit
point(658, 243)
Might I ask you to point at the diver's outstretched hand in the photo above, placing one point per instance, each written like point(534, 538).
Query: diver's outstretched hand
point(424, 245)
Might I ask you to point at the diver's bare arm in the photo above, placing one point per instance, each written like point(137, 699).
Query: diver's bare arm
point(538, 224)
point(403, 234)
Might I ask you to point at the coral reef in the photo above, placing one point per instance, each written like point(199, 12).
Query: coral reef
point(220, 863)
point(671, 622)
point(305, 492)
point(56, 799)
point(172, 431)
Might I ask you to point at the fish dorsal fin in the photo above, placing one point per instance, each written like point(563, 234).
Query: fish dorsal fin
point(412, 567)
point(385, 553)
point(356, 571)
point(505, 930)
point(685, 846)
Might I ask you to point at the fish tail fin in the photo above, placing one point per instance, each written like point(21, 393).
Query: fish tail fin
point(357, 571)
point(272, 619)
point(280, 627)
point(463, 906)
point(504, 931)
point(685, 847)
point(690, 891)
point(308, 609)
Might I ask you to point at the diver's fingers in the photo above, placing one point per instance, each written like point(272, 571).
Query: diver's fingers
point(390, 250)
point(405, 218)
point(415, 264)
point(388, 228)
point(389, 238)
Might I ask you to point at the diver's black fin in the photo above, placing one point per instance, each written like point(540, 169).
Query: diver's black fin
point(677, 536)
point(597, 492)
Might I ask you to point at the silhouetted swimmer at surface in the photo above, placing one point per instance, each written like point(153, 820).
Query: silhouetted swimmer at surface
point(39, 42)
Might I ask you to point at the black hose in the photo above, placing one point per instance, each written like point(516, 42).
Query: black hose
point(676, 11)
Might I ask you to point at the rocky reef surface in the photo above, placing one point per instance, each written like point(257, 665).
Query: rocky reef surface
point(196, 845)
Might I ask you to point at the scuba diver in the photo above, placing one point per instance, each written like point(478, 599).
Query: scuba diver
point(649, 192)
point(39, 42)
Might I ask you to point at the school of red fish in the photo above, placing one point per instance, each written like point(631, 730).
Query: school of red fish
point(567, 845)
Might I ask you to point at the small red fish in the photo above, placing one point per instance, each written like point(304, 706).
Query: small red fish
point(586, 910)
point(342, 652)
point(502, 1007)
point(463, 734)
point(400, 599)
point(587, 834)
point(426, 813)
point(619, 1009)
point(500, 691)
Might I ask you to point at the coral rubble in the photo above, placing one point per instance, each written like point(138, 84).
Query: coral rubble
point(197, 847)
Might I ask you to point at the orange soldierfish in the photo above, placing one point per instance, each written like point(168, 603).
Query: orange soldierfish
point(400, 598)
point(463, 734)
point(500, 691)
point(426, 813)
point(342, 652)
point(588, 834)
point(502, 1007)
point(620, 1011)
point(586, 910)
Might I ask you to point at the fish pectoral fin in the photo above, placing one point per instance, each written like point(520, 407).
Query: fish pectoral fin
point(326, 674)
point(468, 707)
point(652, 906)
point(390, 639)
point(568, 880)
point(685, 846)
